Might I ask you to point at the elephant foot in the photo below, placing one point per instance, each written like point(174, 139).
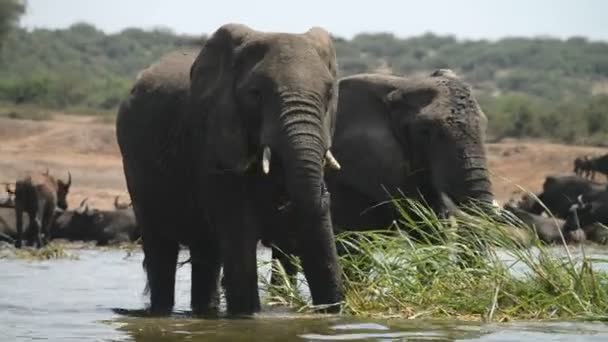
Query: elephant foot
point(160, 263)
point(18, 243)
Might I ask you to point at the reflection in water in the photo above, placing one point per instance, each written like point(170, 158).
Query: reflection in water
point(74, 299)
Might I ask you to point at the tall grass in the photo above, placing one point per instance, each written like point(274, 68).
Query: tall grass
point(476, 267)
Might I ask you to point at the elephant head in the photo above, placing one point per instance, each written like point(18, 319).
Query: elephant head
point(268, 97)
point(442, 127)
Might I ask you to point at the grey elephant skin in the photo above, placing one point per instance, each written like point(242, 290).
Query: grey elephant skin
point(194, 129)
point(420, 137)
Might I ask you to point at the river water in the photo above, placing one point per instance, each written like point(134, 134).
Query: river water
point(74, 300)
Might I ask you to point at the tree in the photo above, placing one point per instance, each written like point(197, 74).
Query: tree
point(10, 11)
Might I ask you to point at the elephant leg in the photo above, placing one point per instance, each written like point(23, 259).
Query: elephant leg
point(19, 224)
point(205, 273)
point(238, 232)
point(239, 253)
point(160, 262)
point(286, 262)
point(320, 263)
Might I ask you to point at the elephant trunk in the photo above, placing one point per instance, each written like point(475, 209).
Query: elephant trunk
point(477, 184)
point(303, 152)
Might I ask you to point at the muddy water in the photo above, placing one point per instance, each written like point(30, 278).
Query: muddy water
point(63, 300)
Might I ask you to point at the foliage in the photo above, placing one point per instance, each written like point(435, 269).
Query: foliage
point(475, 267)
point(528, 87)
point(10, 11)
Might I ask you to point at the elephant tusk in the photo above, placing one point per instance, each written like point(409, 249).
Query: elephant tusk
point(266, 160)
point(331, 161)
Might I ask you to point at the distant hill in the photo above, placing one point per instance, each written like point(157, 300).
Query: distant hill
point(540, 87)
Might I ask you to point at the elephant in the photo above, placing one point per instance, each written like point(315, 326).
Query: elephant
point(231, 134)
point(422, 138)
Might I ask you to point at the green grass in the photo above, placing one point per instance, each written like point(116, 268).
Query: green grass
point(454, 270)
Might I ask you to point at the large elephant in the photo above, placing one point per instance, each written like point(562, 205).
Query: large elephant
point(421, 137)
point(418, 137)
point(231, 135)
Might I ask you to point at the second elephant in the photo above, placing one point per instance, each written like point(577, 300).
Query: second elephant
point(418, 137)
point(421, 137)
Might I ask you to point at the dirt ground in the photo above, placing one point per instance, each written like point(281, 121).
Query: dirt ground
point(88, 149)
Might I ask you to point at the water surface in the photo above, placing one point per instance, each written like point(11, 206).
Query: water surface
point(64, 300)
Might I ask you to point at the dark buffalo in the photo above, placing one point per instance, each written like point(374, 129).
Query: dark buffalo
point(38, 195)
point(587, 167)
point(582, 167)
point(590, 216)
point(547, 229)
point(8, 231)
point(7, 200)
point(102, 226)
point(560, 193)
point(119, 206)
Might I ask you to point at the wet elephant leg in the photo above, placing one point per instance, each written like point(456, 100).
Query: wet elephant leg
point(160, 262)
point(205, 260)
point(240, 269)
point(237, 229)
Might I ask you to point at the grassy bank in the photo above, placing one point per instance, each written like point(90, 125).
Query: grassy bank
point(473, 267)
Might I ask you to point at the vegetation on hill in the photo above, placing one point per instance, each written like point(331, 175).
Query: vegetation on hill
point(528, 87)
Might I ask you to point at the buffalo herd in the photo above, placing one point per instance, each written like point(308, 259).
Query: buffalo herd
point(34, 210)
point(570, 206)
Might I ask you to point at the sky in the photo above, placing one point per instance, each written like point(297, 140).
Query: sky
point(465, 19)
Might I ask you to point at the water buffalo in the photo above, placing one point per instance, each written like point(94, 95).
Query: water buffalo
point(7, 200)
point(119, 206)
point(590, 216)
point(560, 193)
point(38, 195)
point(547, 229)
point(582, 167)
point(587, 167)
point(102, 226)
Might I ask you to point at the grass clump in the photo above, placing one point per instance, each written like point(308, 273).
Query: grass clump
point(475, 267)
point(48, 252)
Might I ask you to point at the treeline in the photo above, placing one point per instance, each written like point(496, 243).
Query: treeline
point(539, 87)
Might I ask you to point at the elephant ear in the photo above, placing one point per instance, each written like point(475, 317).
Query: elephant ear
point(404, 105)
point(322, 42)
point(213, 107)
